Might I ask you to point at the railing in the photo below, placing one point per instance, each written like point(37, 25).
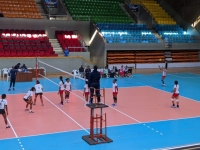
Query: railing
point(74, 49)
point(82, 41)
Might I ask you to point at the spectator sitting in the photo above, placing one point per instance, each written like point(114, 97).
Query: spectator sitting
point(17, 66)
point(121, 71)
point(105, 72)
point(112, 72)
point(116, 72)
point(23, 68)
point(81, 71)
point(126, 71)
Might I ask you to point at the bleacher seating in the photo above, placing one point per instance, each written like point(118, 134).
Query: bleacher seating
point(156, 11)
point(140, 57)
point(126, 33)
point(174, 33)
point(69, 41)
point(25, 43)
point(19, 9)
point(97, 11)
point(185, 56)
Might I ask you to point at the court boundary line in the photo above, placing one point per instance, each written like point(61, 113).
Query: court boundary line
point(65, 113)
point(107, 126)
point(182, 77)
point(175, 147)
point(16, 136)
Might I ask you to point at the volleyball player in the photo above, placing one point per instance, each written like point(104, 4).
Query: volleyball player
point(4, 109)
point(28, 99)
point(86, 92)
point(164, 73)
point(38, 91)
point(175, 95)
point(68, 88)
point(115, 92)
point(61, 89)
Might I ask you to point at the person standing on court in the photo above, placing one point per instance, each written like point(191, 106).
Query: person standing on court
point(4, 109)
point(13, 74)
point(94, 84)
point(87, 72)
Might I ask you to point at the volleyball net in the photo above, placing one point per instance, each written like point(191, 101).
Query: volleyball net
point(52, 73)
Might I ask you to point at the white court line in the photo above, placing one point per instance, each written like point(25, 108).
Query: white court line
point(170, 148)
point(182, 77)
point(171, 93)
point(65, 113)
point(16, 136)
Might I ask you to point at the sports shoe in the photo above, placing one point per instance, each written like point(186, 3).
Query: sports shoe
point(113, 104)
point(9, 89)
point(34, 104)
point(26, 109)
point(7, 127)
point(61, 104)
point(31, 111)
point(177, 106)
point(163, 85)
point(42, 104)
point(13, 89)
point(173, 106)
point(67, 101)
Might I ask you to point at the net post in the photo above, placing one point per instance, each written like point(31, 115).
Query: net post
point(36, 69)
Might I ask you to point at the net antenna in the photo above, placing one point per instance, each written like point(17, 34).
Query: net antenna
point(36, 69)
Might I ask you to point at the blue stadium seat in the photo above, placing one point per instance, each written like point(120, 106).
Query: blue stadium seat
point(174, 33)
point(126, 33)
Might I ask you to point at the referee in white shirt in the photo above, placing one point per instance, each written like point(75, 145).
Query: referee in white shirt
point(4, 109)
point(38, 91)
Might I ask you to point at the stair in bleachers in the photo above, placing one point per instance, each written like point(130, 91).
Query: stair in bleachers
point(56, 47)
point(126, 33)
point(25, 43)
point(123, 7)
point(97, 11)
point(40, 8)
point(185, 56)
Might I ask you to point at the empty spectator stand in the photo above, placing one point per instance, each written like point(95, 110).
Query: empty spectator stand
point(126, 33)
point(97, 11)
point(19, 9)
point(174, 33)
point(185, 56)
point(157, 12)
point(69, 41)
point(25, 43)
point(128, 57)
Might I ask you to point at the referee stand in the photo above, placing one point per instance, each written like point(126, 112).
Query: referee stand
point(98, 123)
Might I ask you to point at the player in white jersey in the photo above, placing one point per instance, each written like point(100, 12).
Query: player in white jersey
point(38, 91)
point(164, 73)
point(115, 92)
point(175, 95)
point(68, 88)
point(28, 99)
point(61, 89)
point(86, 92)
point(4, 109)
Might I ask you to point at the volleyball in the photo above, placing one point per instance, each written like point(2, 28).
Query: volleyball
point(160, 59)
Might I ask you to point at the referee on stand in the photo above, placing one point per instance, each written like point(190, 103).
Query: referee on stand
point(94, 84)
point(13, 74)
